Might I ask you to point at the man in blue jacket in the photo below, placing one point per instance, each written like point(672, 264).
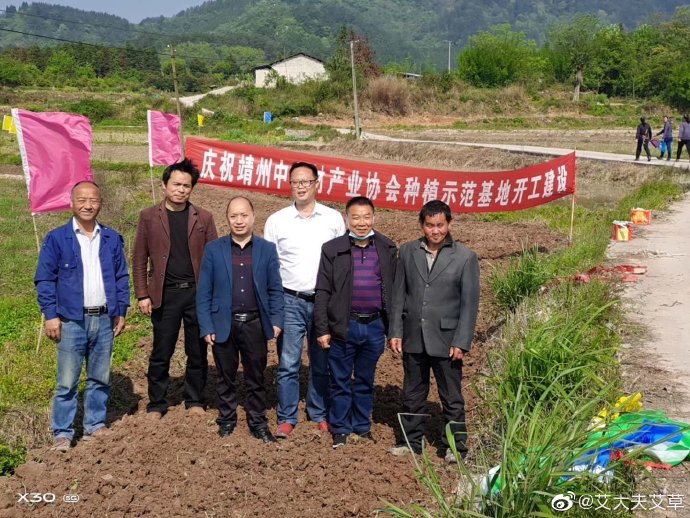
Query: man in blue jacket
point(83, 291)
point(239, 304)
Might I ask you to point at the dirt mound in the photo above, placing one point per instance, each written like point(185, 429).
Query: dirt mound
point(180, 467)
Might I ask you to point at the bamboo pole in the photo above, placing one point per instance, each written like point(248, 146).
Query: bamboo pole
point(153, 189)
point(572, 206)
point(38, 250)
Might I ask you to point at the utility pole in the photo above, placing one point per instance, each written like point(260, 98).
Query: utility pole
point(358, 130)
point(177, 95)
point(449, 42)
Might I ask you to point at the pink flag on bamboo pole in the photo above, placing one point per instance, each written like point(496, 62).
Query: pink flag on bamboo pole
point(56, 149)
point(165, 147)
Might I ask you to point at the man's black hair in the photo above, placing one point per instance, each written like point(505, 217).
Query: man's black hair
point(359, 200)
point(433, 207)
point(307, 165)
point(185, 166)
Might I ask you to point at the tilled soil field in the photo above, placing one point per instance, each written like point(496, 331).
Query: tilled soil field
point(179, 466)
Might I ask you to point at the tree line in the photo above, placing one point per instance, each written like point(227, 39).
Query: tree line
point(651, 61)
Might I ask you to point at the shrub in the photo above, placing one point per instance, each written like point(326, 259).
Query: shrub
point(95, 109)
point(499, 57)
point(677, 92)
point(389, 95)
point(10, 458)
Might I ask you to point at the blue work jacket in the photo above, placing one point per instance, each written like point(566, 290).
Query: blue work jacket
point(59, 275)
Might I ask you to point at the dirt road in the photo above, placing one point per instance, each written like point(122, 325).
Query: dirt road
point(655, 361)
point(661, 299)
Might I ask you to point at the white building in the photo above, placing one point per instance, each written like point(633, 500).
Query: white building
point(295, 69)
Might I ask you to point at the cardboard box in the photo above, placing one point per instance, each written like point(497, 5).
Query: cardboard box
point(641, 216)
point(622, 231)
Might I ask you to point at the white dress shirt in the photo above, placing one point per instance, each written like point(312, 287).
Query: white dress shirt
point(94, 290)
point(299, 239)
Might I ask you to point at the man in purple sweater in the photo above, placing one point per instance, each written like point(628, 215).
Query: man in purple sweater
point(353, 300)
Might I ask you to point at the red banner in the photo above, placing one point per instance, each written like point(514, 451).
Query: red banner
point(265, 169)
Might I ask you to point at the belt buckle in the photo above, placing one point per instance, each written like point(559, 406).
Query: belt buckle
point(240, 317)
point(184, 285)
point(94, 311)
point(366, 318)
point(309, 297)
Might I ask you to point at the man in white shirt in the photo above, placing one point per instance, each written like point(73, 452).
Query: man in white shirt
point(298, 232)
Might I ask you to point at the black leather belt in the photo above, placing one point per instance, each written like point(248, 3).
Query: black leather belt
point(180, 285)
point(96, 310)
point(245, 317)
point(365, 318)
point(309, 297)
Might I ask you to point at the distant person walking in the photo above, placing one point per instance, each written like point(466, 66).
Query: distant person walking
point(667, 132)
point(643, 136)
point(684, 136)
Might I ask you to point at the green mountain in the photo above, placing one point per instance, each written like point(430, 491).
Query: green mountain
point(397, 29)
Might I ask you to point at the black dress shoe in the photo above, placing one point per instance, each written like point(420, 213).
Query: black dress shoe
point(263, 434)
point(226, 429)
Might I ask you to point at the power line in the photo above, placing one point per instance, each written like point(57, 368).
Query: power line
point(62, 20)
point(132, 49)
point(128, 49)
point(103, 26)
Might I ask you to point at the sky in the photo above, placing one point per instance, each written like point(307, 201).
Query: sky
point(133, 10)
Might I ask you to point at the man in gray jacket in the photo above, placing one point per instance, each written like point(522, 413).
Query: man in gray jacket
point(434, 311)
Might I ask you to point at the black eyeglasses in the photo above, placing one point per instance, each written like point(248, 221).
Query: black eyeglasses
point(303, 183)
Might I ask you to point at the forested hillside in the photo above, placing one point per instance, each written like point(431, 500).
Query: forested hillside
point(397, 29)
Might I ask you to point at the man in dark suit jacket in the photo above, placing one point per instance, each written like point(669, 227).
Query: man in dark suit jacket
point(240, 307)
point(435, 305)
point(167, 255)
point(353, 300)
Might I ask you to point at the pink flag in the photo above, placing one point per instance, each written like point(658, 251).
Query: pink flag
point(165, 147)
point(55, 149)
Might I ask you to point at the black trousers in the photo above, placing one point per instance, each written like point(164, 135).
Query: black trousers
point(179, 305)
point(246, 341)
point(448, 375)
point(682, 143)
point(640, 143)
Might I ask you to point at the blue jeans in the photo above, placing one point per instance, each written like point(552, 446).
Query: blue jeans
point(353, 401)
point(90, 339)
point(669, 147)
point(299, 322)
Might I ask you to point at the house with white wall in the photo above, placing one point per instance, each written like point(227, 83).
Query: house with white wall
point(295, 69)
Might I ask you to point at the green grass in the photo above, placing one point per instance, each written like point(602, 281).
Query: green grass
point(522, 277)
